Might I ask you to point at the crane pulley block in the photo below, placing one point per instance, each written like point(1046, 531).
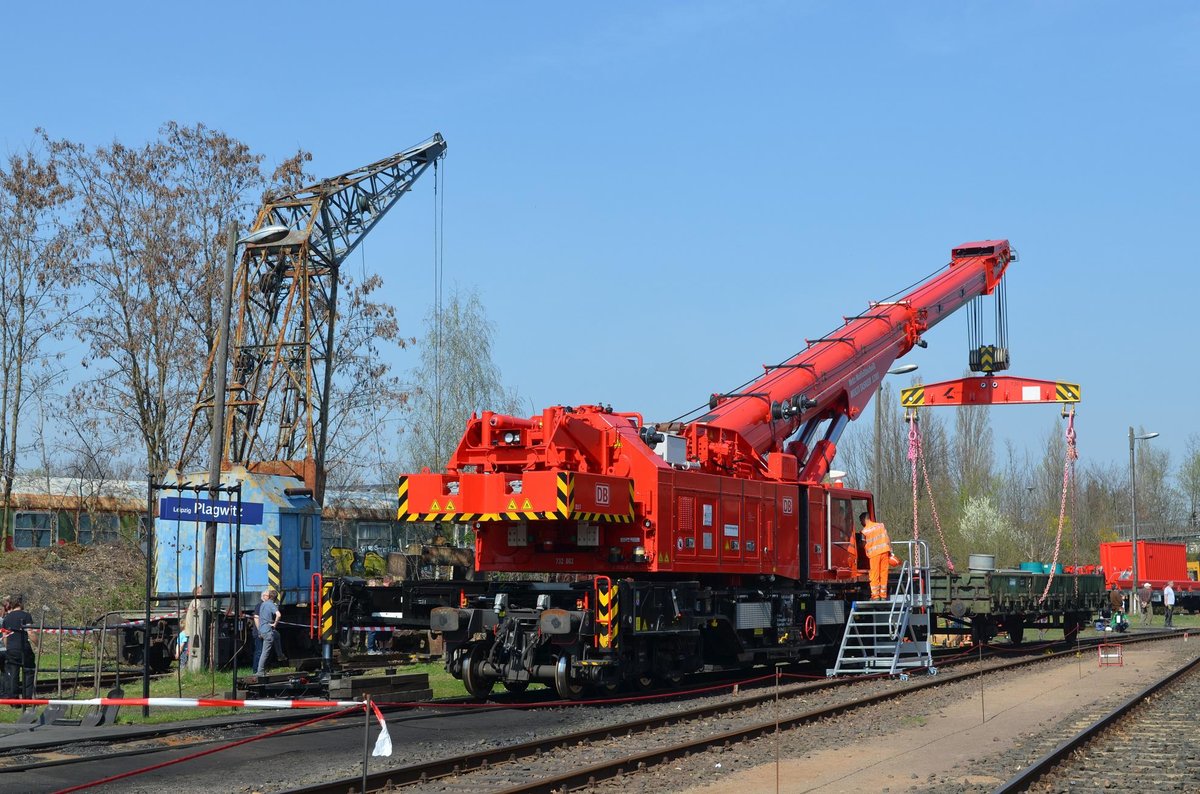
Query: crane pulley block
point(990, 390)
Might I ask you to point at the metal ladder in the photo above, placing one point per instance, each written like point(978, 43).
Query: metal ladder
point(892, 635)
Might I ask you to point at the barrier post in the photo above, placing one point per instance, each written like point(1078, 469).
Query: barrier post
point(366, 738)
point(149, 578)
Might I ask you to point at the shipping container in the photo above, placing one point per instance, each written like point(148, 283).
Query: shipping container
point(1158, 563)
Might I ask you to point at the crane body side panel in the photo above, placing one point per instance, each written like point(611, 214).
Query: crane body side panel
point(671, 521)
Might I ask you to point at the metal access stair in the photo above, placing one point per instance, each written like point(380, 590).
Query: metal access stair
point(892, 635)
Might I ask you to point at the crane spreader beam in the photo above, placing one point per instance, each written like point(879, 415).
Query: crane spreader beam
point(995, 390)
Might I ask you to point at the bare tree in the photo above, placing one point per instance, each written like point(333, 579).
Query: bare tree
point(35, 272)
point(368, 400)
point(973, 454)
point(1101, 505)
point(1189, 480)
point(1159, 503)
point(148, 218)
point(456, 378)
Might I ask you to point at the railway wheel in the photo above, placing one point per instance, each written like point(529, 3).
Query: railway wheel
point(477, 683)
point(1016, 631)
point(516, 687)
point(567, 688)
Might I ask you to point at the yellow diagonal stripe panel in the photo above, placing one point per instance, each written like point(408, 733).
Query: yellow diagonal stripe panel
point(912, 396)
point(565, 495)
point(327, 612)
point(1066, 392)
point(274, 564)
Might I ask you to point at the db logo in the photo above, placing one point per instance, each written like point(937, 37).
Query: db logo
point(787, 506)
point(602, 493)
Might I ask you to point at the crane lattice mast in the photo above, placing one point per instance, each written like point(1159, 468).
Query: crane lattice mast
point(282, 355)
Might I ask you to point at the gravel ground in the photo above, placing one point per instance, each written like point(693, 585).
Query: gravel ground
point(934, 742)
point(1153, 748)
point(861, 738)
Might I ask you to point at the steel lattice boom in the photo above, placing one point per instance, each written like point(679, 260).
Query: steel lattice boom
point(285, 298)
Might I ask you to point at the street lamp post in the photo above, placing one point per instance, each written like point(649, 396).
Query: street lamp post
point(261, 236)
point(878, 472)
point(1134, 606)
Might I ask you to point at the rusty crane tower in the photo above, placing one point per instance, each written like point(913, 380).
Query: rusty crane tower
point(282, 351)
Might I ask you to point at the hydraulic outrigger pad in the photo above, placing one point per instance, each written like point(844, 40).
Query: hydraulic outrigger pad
point(990, 390)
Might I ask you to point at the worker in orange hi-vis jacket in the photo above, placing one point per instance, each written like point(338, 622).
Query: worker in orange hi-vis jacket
point(879, 552)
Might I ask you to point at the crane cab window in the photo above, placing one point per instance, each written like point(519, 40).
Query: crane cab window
point(842, 543)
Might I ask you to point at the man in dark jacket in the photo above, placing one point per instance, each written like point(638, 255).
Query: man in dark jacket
point(18, 653)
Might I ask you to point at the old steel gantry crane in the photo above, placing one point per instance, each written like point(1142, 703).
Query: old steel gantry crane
point(285, 299)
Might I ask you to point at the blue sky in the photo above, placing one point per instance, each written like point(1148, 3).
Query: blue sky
point(654, 199)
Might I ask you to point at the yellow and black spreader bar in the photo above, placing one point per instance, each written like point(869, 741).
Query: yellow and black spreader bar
point(990, 390)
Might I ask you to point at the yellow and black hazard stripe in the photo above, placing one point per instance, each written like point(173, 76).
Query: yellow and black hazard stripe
point(987, 358)
point(564, 494)
point(1066, 392)
point(274, 565)
point(564, 508)
point(446, 512)
point(327, 612)
point(912, 397)
point(607, 608)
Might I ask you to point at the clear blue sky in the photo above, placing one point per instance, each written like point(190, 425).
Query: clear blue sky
point(653, 199)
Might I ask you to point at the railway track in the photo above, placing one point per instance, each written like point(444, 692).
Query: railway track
point(598, 754)
point(94, 759)
point(1144, 744)
point(89, 681)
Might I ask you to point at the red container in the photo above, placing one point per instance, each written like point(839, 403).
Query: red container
point(1158, 563)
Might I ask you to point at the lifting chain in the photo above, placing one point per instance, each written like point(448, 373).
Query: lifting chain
point(917, 453)
point(1068, 470)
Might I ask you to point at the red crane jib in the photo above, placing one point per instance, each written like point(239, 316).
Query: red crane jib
point(580, 489)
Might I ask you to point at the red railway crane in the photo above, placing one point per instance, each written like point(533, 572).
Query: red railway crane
point(713, 542)
point(589, 489)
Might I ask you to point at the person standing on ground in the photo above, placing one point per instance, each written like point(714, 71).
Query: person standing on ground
point(265, 620)
point(1169, 603)
point(191, 627)
point(1144, 602)
point(5, 685)
point(18, 655)
point(879, 552)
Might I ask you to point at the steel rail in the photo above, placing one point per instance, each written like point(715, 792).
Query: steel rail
point(483, 760)
point(1044, 765)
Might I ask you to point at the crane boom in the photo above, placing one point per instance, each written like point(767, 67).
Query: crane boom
point(285, 299)
point(835, 377)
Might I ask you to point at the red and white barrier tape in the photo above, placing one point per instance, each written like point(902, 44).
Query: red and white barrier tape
point(187, 703)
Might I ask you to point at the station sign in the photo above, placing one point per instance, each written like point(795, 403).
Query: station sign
point(175, 508)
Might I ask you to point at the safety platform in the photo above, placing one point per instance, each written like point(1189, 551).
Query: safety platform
point(892, 635)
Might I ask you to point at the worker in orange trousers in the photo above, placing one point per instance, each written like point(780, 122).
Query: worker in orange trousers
point(879, 553)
